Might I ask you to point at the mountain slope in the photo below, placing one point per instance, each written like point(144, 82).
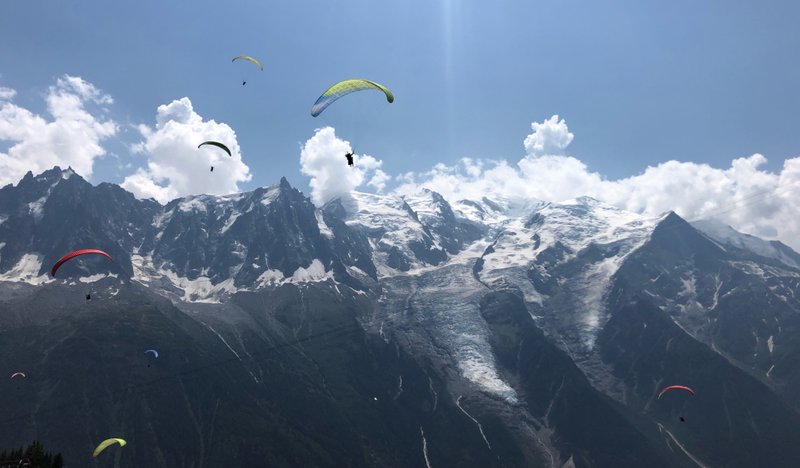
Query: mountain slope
point(382, 330)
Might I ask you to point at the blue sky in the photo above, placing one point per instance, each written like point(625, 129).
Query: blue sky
point(638, 83)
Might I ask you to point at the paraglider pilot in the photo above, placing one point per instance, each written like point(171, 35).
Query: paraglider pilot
point(349, 157)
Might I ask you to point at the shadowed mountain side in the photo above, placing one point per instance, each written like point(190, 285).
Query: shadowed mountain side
point(733, 419)
point(589, 427)
point(296, 387)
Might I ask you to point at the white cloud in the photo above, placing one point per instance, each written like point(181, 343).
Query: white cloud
point(549, 137)
point(85, 90)
point(322, 158)
point(6, 94)
point(175, 166)
point(71, 138)
point(744, 195)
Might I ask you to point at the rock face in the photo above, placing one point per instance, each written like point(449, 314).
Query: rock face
point(382, 330)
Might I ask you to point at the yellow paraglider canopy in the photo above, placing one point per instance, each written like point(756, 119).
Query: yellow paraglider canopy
point(249, 59)
point(107, 443)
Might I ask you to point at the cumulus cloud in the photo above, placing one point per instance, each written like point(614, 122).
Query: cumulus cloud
point(70, 137)
point(549, 137)
point(322, 158)
point(744, 195)
point(175, 166)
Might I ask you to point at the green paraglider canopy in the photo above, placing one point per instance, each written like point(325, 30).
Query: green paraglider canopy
point(346, 87)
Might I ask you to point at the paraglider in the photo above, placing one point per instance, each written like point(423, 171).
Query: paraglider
point(18, 374)
point(343, 88)
point(249, 59)
point(674, 387)
point(106, 443)
point(74, 254)
point(218, 145)
point(349, 157)
point(153, 352)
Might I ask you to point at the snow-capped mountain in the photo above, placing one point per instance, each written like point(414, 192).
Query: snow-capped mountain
point(387, 330)
point(728, 237)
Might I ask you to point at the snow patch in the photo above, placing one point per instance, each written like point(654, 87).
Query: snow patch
point(139, 264)
point(323, 228)
point(270, 195)
point(190, 204)
point(27, 271)
point(314, 272)
point(97, 277)
point(353, 269)
point(231, 219)
point(269, 277)
point(200, 289)
point(36, 208)
point(689, 287)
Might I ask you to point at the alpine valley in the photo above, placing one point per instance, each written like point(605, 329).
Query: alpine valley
point(389, 331)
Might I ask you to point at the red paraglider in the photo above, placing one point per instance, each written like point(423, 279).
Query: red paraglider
point(674, 387)
point(74, 254)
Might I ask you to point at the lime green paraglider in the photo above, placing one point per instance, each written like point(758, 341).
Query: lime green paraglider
point(106, 443)
point(249, 59)
point(343, 88)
